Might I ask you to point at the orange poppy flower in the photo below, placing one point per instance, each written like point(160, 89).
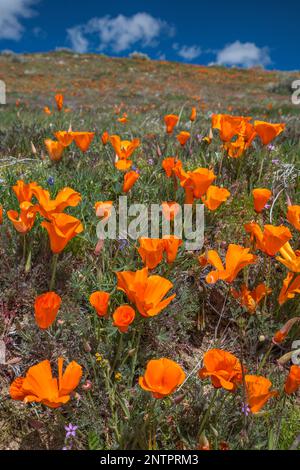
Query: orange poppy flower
point(258, 392)
point(104, 209)
point(1, 215)
point(271, 239)
point(123, 119)
point(290, 287)
point(124, 148)
point(214, 197)
point(292, 383)
point(237, 258)
point(293, 216)
point(123, 317)
point(171, 165)
point(151, 251)
point(129, 180)
point(250, 299)
point(170, 210)
point(47, 110)
point(123, 165)
point(100, 301)
point(24, 221)
point(162, 377)
point(171, 246)
point(235, 149)
point(46, 308)
point(55, 149)
point(146, 292)
point(230, 126)
point(67, 197)
point(183, 137)
point(59, 101)
point(171, 120)
point(83, 140)
point(64, 137)
point(193, 115)
point(282, 334)
point(196, 183)
point(223, 368)
point(39, 386)
point(105, 138)
point(290, 258)
point(261, 197)
point(61, 230)
point(267, 131)
point(23, 191)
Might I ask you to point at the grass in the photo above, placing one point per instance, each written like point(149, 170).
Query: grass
point(115, 413)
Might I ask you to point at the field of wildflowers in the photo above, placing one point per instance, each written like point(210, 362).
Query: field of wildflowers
point(143, 344)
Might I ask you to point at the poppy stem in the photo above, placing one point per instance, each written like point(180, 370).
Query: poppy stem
point(54, 268)
point(207, 413)
point(134, 359)
point(24, 247)
point(120, 345)
point(264, 359)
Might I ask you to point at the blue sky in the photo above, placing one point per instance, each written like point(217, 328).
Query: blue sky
point(202, 32)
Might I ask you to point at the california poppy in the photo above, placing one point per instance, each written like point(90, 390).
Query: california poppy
point(290, 258)
point(261, 197)
point(170, 210)
point(162, 377)
point(171, 165)
point(268, 131)
point(146, 292)
point(214, 197)
point(55, 149)
point(290, 287)
point(250, 299)
point(83, 140)
point(235, 149)
point(64, 137)
point(124, 148)
point(171, 120)
point(59, 101)
point(105, 138)
point(104, 209)
point(61, 229)
point(23, 191)
point(122, 164)
point(282, 334)
point(100, 301)
point(293, 216)
point(258, 392)
point(292, 383)
point(237, 258)
point(46, 307)
point(39, 386)
point(230, 126)
point(196, 183)
point(1, 214)
point(183, 137)
point(129, 180)
point(24, 221)
point(223, 368)
point(271, 239)
point(123, 317)
point(171, 246)
point(47, 110)
point(67, 197)
point(193, 115)
point(151, 251)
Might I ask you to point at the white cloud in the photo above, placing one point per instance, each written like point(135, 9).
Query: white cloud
point(118, 34)
point(243, 54)
point(188, 52)
point(11, 12)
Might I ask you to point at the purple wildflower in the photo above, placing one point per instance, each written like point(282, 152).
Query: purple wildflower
point(123, 244)
point(70, 431)
point(245, 409)
point(271, 147)
point(50, 181)
point(150, 161)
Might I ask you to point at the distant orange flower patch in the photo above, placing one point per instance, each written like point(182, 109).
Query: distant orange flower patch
point(268, 131)
point(171, 120)
point(183, 137)
point(39, 386)
point(193, 115)
point(223, 368)
point(237, 258)
point(59, 99)
point(129, 180)
point(123, 317)
point(47, 110)
point(46, 308)
point(293, 216)
point(100, 301)
point(258, 392)
point(271, 239)
point(251, 299)
point(55, 149)
point(214, 197)
point(146, 292)
point(260, 197)
point(162, 377)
